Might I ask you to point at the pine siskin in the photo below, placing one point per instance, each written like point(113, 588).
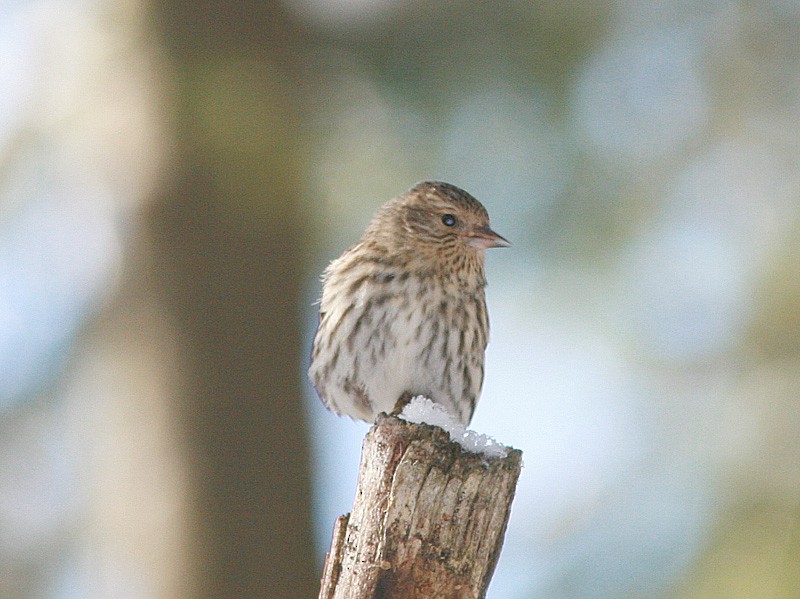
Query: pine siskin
point(403, 311)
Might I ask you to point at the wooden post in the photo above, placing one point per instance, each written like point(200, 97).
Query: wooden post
point(428, 519)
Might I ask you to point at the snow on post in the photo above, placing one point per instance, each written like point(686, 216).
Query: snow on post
point(421, 410)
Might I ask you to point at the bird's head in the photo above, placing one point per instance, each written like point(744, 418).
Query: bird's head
point(436, 219)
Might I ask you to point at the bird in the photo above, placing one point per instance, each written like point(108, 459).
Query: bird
point(403, 311)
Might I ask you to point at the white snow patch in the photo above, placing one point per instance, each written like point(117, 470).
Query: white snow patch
point(421, 410)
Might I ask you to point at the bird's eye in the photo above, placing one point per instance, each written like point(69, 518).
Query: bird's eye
point(449, 220)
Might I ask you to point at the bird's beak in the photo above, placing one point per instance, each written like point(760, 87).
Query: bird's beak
point(484, 238)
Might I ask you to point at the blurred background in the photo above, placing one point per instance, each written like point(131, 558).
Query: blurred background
point(175, 175)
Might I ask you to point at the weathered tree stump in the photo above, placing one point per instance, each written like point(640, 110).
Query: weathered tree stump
point(428, 518)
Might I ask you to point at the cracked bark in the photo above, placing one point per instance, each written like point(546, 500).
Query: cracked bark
point(428, 519)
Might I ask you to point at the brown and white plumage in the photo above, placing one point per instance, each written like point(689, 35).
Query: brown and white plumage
point(403, 311)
